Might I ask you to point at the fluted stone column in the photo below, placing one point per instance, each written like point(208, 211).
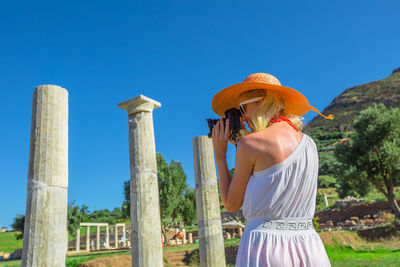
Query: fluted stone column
point(212, 252)
point(98, 237)
point(78, 239)
point(145, 209)
point(87, 238)
point(45, 227)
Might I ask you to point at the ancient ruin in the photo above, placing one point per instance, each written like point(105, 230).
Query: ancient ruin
point(212, 252)
point(45, 236)
point(145, 209)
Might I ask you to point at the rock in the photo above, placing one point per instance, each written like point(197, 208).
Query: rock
point(396, 70)
point(350, 223)
point(5, 256)
point(347, 202)
point(369, 222)
point(330, 224)
point(354, 218)
point(17, 254)
point(367, 216)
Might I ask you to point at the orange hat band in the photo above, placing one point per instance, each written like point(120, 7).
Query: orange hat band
point(329, 117)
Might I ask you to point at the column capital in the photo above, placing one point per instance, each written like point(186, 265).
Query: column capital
point(139, 103)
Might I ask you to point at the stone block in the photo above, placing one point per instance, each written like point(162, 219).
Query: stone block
point(350, 223)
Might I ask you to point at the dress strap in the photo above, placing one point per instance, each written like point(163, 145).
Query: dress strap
point(283, 118)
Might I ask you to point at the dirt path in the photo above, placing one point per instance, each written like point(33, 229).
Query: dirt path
point(179, 258)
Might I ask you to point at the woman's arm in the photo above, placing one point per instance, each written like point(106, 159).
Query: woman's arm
point(232, 191)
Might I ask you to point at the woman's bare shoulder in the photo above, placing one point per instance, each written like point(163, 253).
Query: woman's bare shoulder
point(256, 141)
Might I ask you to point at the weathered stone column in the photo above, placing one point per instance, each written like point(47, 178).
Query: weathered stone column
point(212, 252)
point(78, 239)
point(87, 238)
point(116, 236)
point(240, 231)
point(190, 238)
point(98, 237)
point(145, 209)
point(107, 237)
point(45, 227)
point(184, 240)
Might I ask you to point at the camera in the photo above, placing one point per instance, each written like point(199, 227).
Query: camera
point(235, 124)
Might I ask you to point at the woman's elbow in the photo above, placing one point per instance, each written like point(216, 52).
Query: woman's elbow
point(232, 208)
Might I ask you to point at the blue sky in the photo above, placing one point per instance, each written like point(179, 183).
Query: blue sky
point(179, 53)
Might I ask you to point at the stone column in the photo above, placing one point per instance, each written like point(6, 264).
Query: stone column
point(45, 227)
point(145, 209)
point(325, 200)
point(212, 252)
point(87, 238)
point(190, 238)
point(98, 237)
point(184, 241)
point(107, 237)
point(116, 236)
point(124, 234)
point(240, 231)
point(78, 239)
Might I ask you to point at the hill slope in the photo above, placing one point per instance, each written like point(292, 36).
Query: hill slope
point(347, 106)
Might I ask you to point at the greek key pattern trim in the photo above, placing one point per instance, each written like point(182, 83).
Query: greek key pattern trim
point(288, 225)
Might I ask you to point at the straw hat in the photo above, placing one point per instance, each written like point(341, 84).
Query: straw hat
point(295, 102)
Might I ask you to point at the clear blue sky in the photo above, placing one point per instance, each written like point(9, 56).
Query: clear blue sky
point(179, 53)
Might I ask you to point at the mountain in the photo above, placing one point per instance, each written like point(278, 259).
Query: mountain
point(347, 106)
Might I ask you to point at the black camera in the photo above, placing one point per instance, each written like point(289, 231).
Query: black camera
point(235, 124)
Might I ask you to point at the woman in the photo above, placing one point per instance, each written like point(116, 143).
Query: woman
point(275, 179)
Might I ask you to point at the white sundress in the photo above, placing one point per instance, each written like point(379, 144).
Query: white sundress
point(279, 205)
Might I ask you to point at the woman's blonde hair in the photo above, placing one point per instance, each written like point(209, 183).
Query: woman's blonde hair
point(271, 106)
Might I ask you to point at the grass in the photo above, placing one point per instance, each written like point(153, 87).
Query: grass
point(10, 263)
point(73, 261)
point(340, 255)
point(8, 242)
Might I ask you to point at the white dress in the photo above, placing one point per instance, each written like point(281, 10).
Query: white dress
point(279, 205)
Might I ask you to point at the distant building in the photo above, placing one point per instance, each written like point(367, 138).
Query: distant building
point(5, 229)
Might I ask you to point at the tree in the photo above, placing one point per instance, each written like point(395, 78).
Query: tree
point(326, 163)
point(171, 186)
point(18, 225)
point(126, 210)
point(373, 157)
point(173, 195)
point(76, 215)
point(106, 216)
point(188, 207)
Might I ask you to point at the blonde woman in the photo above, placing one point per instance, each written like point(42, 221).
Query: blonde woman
point(275, 179)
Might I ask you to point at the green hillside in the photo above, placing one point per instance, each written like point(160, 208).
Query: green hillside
point(347, 106)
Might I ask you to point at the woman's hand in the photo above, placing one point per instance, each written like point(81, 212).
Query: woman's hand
point(220, 137)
